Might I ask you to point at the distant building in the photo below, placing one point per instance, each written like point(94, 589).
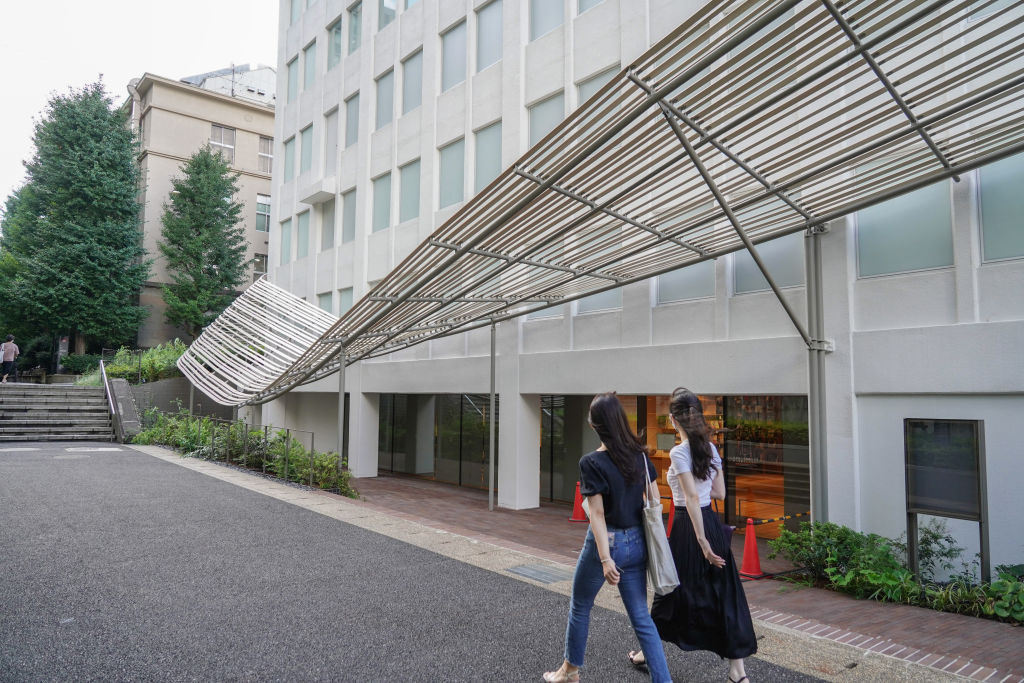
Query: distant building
point(233, 111)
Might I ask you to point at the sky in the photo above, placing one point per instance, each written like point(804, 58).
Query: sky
point(47, 46)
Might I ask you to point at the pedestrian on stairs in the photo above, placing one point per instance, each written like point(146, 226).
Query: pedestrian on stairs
point(9, 351)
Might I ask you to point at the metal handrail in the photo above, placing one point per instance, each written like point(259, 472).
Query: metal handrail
point(115, 416)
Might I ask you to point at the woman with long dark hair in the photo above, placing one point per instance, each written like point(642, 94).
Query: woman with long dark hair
point(708, 611)
point(613, 480)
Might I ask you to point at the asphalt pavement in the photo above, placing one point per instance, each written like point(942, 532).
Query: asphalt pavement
point(119, 566)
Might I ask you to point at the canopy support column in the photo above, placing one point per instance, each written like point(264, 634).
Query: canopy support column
point(341, 405)
point(818, 461)
point(491, 425)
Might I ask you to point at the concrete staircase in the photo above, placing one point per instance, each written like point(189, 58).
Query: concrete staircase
point(54, 412)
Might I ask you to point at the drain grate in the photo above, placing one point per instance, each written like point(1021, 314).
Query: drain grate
point(543, 573)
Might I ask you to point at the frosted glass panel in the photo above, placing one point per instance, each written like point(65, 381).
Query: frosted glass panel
point(692, 282)
point(385, 98)
point(355, 27)
point(488, 155)
point(488, 35)
point(352, 120)
point(453, 57)
point(381, 202)
point(590, 86)
point(1002, 208)
point(545, 15)
point(327, 225)
point(309, 66)
point(302, 236)
point(587, 4)
point(544, 116)
point(289, 159)
point(600, 302)
point(409, 191)
point(386, 13)
point(412, 82)
point(293, 79)
point(306, 155)
point(330, 142)
point(325, 301)
point(907, 233)
point(348, 216)
point(286, 241)
point(334, 45)
point(452, 168)
point(344, 300)
point(784, 259)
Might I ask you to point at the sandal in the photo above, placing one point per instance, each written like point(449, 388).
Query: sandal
point(560, 675)
point(637, 659)
point(739, 681)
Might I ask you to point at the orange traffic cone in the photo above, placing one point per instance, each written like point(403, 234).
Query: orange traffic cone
point(751, 562)
point(577, 508)
point(671, 518)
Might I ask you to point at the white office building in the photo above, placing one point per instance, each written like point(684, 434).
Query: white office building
point(391, 114)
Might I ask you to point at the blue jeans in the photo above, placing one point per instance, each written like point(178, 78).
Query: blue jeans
point(629, 552)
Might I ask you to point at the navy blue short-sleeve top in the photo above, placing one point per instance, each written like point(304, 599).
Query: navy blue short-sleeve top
point(623, 503)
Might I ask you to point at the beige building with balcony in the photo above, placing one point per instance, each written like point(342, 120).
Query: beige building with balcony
point(174, 119)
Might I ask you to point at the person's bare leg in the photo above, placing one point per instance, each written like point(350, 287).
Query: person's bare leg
point(737, 672)
point(566, 672)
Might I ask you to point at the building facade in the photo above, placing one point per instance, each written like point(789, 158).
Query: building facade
point(176, 118)
point(392, 113)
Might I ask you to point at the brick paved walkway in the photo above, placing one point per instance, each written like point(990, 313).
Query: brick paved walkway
point(975, 648)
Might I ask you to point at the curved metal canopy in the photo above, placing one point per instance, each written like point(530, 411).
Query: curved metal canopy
point(750, 121)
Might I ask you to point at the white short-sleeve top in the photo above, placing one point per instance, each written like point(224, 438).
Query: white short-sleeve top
point(680, 456)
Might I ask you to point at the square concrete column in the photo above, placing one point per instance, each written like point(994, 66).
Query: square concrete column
point(363, 425)
point(518, 427)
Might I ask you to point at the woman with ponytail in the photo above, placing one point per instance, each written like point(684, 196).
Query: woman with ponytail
point(613, 480)
point(708, 611)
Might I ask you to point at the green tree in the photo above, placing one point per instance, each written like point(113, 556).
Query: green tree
point(203, 243)
point(73, 260)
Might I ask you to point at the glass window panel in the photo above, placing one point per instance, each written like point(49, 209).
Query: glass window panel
point(412, 82)
point(296, 11)
point(385, 99)
point(488, 155)
point(355, 27)
point(410, 3)
point(545, 15)
point(266, 154)
point(386, 12)
point(453, 57)
point(344, 300)
point(447, 442)
point(306, 153)
point(692, 282)
point(488, 35)
point(259, 266)
point(784, 258)
point(289, 159)
point(309, 66)
point(327, 225)
point(263, 213)
point(553, 312)
point(352, 120)
point(1002, 208)
point(330, 142)
point(589, 87)
point(981, 9)
point(587, 4)
point(382, 202)
point(286, 241)
point(544, 116)
point(293, 79)
point(452, 169)
point(302, 236)
point(601, 301)
point(474, 447)
point(348, 216)
point(409, 192)
point(907, 233)
point(334, 45)
point(325, 301)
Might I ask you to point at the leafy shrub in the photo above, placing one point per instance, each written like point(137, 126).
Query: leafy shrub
point(134, 365)
point(79, 364)
point(817, 546)
point(936, 549)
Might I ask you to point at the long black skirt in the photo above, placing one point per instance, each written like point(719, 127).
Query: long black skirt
point(708, 611)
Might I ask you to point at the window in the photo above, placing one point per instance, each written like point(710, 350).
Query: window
point(587, 4)
point(352, 120)
point(488, 155)
point(696, 281)
point(334, 45)
point(306, 153)
point(488, 35)
point(386, 13)
point(412, 82)
point(545, 16)
point(259, 266)
point(348, 216)
point(452, 170)
point(410, 3)
point(302, 236)
point(385, 99)
point(296, 11)
point(544, 116)
point(912, 232)
point(344, 300)
point(589, 87)
point(309, 66)
point(330, 142)
point(293, 79)
point(1002, 206)
point(263, 212)
point(453, 57)
point(382, 202)
point(266, 154)
point(409, 191)
point(325, 301)
point(222, 140)
point(784, 259)
point(983, 9)
point(602, 301)
point(286, 241)
point(289, 159)
point(327, 225)
point(355, 27)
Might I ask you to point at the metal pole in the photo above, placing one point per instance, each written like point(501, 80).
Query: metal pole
point(266, 446)
point(312, 452)
point(490, 459)
point(191, 397)
point(287, 450)
point(341, 407)
point(816, 378)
